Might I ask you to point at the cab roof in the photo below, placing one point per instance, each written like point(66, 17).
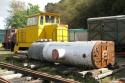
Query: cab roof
point(45, 13)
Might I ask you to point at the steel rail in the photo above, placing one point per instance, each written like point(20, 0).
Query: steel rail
point(37, 74)
point(3, 80)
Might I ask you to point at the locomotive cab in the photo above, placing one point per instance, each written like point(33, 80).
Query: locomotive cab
point(43, 19)
point(42, 26)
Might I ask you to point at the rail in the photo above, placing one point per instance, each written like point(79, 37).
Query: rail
point(3, 80)
point(36, 74)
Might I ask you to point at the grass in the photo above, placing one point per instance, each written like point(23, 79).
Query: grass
point(120, 74)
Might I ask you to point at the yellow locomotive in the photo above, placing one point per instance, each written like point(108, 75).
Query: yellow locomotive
point(42, 26)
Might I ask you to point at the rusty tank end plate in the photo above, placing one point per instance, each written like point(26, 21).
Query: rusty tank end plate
point(103, 54)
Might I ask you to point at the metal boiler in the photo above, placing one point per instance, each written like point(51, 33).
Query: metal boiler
point(96, 54)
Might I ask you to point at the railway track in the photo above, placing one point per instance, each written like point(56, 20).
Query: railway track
point(24, 75)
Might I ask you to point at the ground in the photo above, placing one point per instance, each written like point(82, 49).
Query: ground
point(56, 70)
point(120, 74)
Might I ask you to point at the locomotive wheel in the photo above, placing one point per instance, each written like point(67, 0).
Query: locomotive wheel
point(103, 54)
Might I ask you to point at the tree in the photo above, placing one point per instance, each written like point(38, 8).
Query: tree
point(69, 10)
point(33, 9)
point(17, 18)
point(76, 12)
point(16, 6)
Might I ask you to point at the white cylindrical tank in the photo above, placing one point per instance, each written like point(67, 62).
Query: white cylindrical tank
point(36, 50)
point(91, 53)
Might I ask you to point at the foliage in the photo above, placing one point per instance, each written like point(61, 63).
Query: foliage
point(76, 12)
point(17, 20)
point(18, 14)
point(33, 9)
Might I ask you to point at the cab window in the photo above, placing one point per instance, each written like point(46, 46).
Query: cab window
point(49, 19)
point(41, 20)
point(57, 20)
point(32, 21)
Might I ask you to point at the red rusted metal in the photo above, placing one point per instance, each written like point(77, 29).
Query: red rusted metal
point(9, 37)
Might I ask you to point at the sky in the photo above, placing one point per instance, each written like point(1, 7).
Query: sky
point(4, 6)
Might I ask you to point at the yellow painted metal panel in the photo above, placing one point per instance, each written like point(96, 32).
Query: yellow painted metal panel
point(41, 32)
point(31, 34)
point(62, 33)
point(28, 34)
point(50, 32)
point(34, 33)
